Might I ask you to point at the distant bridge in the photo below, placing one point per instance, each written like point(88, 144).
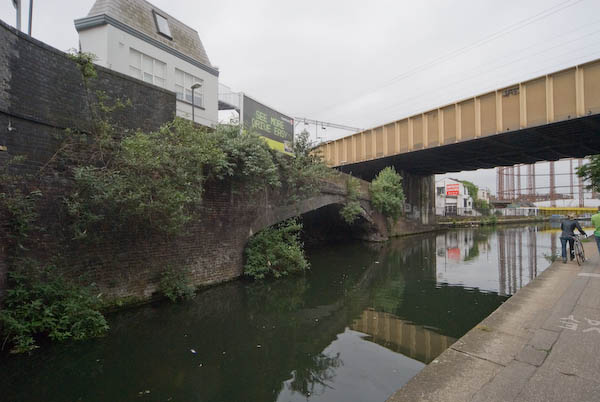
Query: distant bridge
point(547, 118)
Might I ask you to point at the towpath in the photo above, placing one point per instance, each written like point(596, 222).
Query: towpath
point(543, 344)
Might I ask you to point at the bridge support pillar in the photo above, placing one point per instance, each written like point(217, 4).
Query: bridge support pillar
point(420, 197)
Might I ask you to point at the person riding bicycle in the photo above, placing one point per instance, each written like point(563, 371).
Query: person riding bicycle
point(568, 227)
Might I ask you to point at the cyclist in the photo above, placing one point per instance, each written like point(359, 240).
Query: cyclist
point(568, 226)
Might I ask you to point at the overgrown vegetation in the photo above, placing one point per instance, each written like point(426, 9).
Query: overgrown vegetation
point(175, 285)
point(480, 205)
point(590, 172)
point(492, 220)
point(85, 63)
point(275, 251)
point(150, 181)
point(18, 206)
point(303, 173)
point(472, 189)
point(155, 181)
point(352, 209)
point(40, 302)
point(117, 181)
point(387, 195)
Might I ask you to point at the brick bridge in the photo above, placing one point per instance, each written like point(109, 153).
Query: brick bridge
point(38, 102)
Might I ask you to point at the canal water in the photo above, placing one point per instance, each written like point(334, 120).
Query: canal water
point(362, 322)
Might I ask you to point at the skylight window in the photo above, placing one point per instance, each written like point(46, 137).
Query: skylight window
point(162, 25)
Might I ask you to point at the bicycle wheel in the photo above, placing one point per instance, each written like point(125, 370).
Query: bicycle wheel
point(579, 254)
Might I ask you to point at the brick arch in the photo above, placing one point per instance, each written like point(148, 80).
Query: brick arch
point(331, 194)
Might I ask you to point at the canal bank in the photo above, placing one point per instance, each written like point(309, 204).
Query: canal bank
point(356, 327)
point(540, 345)
point(483, 221)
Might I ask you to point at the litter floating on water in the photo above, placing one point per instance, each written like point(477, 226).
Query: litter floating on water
point(258, 346)
point(193, 351)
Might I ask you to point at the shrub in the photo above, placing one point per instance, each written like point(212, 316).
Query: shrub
point(275, 251)
point(146, 180)
point(483, 207)
point(175, 285)
point(302, 174)
point(40, 302)
point(352, 209)
point(387, 195)
point(248, 160)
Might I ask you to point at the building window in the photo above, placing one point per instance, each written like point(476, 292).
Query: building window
point(183, 88)
point(162, 25)
point(146, 68)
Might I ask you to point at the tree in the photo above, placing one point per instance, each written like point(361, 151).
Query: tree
point(387, 195)
point(591, 172)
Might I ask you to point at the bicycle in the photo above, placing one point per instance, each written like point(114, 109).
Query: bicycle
point(578, 249)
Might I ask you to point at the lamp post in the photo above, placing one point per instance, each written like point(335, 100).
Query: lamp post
point(17, 5)
point(194, 87)
point(30, 17)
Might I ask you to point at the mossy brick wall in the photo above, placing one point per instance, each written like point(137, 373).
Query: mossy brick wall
point(42, 92)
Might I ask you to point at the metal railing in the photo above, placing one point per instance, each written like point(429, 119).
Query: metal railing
point(441, 211)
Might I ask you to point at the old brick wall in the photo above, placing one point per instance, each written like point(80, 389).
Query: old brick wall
point(42, 92)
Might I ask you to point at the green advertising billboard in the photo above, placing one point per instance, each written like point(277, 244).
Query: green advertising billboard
point(276, 128)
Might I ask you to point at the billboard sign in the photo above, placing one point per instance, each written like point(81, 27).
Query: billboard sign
point(452, 188)
point(276, 128)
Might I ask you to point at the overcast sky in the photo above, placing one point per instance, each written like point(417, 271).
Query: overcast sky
point(364, 64)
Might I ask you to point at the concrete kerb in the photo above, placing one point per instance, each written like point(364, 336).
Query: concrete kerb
point(513, 343)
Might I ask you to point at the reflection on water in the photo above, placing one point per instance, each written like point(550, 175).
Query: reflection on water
point(357, 327)
point(414, 341)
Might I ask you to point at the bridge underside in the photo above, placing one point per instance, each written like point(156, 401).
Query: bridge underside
point(576, 138)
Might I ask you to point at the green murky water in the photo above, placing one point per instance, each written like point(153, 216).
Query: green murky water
point(358, 326)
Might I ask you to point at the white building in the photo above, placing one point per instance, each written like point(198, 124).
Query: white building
point(452, 198)
point(483, 194)
point(135, 38)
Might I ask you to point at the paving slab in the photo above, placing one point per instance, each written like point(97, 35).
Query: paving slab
point(507, 384)
point(453, 376)
point(577, 350)
point(543, 339)
point(549, 385)
point(532, 356)
point(522, 323)
point(590, 297)
point(494, 346)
